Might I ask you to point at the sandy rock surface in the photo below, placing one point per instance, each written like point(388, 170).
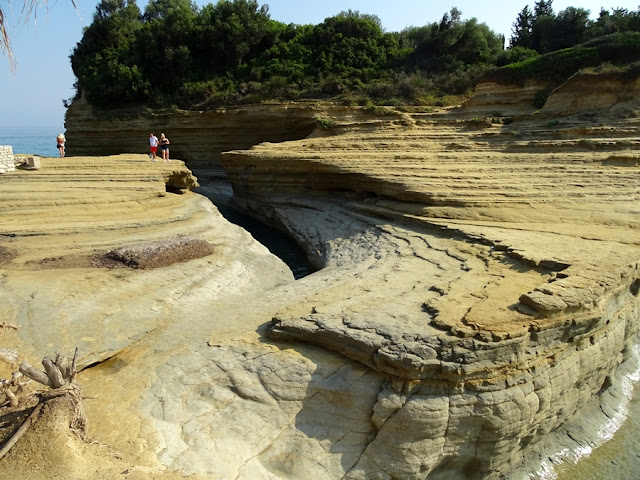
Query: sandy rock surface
point(58, 224)
point(477, 298)
point(475, 263)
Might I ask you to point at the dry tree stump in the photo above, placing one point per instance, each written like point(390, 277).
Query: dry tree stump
point(59, 375)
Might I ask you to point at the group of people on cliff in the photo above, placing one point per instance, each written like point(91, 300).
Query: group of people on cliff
point(154, 144)
point(163, 144)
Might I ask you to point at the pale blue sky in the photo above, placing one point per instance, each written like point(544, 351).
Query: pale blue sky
point(33, 94)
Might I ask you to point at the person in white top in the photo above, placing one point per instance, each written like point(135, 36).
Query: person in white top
point(60, 144)
point(153, 144)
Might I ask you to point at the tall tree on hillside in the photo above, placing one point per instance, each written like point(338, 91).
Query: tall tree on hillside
point(347, 44)
point(570, 28)
point(617, 20)
point(165, 42)
point(230, 33)
point(106, 61)
point(455, 44)
point(522, 31)
point(542, 29)
point(543, 9)
point(535, 29)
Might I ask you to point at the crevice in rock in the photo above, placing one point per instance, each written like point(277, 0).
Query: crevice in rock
point(99, 362)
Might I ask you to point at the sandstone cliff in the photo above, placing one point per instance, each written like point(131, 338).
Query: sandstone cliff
point(475, 312)
point(197, 137)
point(492, 274)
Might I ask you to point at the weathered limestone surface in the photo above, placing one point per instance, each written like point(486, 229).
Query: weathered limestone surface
point(492, 273)
point(198, 138)
point(178, 375)
point(475, 312)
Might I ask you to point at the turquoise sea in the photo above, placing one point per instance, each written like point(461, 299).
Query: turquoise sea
point(35, 140)
point(618, 458)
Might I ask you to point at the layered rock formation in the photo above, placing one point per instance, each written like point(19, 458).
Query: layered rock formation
point(197, 137)
point(495, 98)
point(592, 92)
point(474, 314)
point(61, 289)
point(492, 275)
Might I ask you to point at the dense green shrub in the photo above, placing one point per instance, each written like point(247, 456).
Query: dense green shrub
point(175, 53)
point(556, 67)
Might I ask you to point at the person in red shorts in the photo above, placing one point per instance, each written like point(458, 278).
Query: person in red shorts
point(153, 144)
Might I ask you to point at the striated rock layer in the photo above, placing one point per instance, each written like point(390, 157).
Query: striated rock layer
point(197, 137)
point(475, 312)
point(491, 274)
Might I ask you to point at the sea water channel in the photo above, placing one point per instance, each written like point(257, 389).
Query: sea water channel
point(278, 243)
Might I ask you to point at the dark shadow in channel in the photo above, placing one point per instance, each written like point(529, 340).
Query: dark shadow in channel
point(278, 243)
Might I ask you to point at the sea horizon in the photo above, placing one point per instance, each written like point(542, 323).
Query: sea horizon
point(31, 139)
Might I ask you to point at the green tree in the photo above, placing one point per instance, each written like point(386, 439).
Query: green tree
point(230, 33)
point(164, 43)
point(364, 16)
point(570, 27)
point(166, 9)
point(543, 8)
point(290, 55)
point(105, 62)
point(345, 44)
point(522, 30)
point(454, 44)
point(618, 20)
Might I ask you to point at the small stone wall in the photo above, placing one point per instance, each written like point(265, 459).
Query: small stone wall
point(7, 162)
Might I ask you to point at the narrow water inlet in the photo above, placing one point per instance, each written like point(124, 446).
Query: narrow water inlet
point(279, 243)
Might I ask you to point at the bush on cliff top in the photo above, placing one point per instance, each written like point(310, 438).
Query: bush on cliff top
point(175, 54)
point(556, 67)
point(231, 52)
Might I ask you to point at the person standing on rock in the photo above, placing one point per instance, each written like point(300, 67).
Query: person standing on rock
point(153, 144)
point(60, 144)
point(164, 147)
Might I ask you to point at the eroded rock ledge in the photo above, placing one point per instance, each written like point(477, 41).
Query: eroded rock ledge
point(491, 273)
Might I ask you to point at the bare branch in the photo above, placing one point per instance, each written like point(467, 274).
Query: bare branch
point(73, 367)
point(5, 44)
point(29, 10)
point(33, 373)
point(65, 366)
point(56, 380)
